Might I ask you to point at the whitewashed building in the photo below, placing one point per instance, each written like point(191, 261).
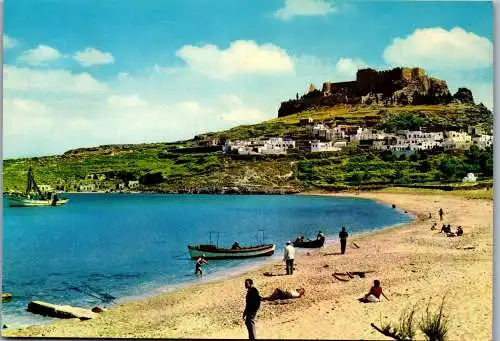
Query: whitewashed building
point(86, 187)
point(317, 146)
point(469, 178)
point(133, 184)
point(457, 140)
point(322, 131)
point(45, 188)
point(482, 141)
point(273, 145)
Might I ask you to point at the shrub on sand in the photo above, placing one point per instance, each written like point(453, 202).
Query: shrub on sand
point(434, 325)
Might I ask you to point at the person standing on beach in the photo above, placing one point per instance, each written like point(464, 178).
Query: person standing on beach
point(288, 257)
point(199, 263)
point(343, 239)
point(441, 213)
point(252, 306)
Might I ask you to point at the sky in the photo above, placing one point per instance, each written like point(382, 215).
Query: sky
point(83, 73)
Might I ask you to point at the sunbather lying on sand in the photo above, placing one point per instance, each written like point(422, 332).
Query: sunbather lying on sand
point(279, 294)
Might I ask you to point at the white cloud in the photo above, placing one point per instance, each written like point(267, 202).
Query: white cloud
point(234, 111)
point(242, 57)
point(294, 8)
point(8, 42)
point(125, 101)
point(25, 107)
point(91, 56)
point(40, 55)
point(349, 67)
point(55, 81)
point(437, 48)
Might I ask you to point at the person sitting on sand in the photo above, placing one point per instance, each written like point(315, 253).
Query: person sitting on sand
point(320, 235)
point(280, 294)
point(236, 246)
point(374, 294)
point(446, 228)
point(460, 231)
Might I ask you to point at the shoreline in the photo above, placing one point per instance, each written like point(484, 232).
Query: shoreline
point(200, 300)
point(228, 273)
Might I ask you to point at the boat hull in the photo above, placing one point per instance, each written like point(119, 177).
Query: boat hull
point(24, 202)
point(196, 251)
point(310, 243)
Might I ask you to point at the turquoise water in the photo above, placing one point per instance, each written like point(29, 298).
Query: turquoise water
point(103, 248)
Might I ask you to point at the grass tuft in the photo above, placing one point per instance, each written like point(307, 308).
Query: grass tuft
point(434, 325)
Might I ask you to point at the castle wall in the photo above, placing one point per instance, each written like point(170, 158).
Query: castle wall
point(399, 85)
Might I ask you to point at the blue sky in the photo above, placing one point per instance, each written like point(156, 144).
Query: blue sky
point(88, 72)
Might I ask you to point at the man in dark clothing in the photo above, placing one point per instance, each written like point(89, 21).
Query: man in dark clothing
point(441, 214)
point(253, 304)
point(343, 239)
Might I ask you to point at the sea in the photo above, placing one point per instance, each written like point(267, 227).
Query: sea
point(105, 249)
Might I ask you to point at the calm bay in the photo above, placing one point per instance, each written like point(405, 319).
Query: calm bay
point(101, 249)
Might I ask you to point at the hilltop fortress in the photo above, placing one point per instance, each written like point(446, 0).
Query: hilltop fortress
point(400, 85)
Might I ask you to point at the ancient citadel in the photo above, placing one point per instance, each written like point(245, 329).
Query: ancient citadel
point(400, 85)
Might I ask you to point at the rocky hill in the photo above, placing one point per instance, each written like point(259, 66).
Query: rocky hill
point(398, 86)
point(182, 167)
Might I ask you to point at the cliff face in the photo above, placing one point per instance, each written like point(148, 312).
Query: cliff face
point(395, 86)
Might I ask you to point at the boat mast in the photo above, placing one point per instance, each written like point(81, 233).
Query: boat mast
point(32, 184)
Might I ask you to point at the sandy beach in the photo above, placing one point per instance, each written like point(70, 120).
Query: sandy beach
point(414, 264)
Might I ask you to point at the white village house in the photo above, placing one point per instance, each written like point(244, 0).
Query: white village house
point(482, 141)
point(273, 145)
point(457, 140)
point(318, 146)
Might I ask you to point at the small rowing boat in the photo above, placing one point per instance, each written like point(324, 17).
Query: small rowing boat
point(310, 243)
point(210, 251)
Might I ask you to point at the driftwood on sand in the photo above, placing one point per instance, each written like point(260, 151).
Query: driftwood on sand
point(349, 274)
point(59, 311)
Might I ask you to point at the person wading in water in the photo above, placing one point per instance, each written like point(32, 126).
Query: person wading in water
point(199, 263)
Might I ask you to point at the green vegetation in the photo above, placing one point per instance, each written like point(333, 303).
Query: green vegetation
point(181, 166)
point(433, 325)
point(357, 167)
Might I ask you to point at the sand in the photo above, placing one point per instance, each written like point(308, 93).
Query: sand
point(414, 264)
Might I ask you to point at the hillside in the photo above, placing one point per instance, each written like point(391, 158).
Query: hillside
point(177, 166)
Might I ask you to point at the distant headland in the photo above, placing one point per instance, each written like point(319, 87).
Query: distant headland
point(398, 86)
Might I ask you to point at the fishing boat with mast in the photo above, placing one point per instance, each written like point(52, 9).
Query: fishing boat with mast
point(34, 197)
point(211, 251)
